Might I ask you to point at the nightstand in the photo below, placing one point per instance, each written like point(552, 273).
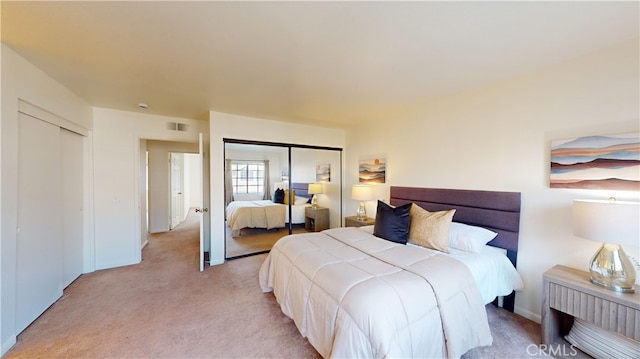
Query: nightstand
point(316, 219)
point(354, 222)
point(567, 293)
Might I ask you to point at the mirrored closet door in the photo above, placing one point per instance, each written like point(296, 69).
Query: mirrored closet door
point(321, 169)
point(270, 190)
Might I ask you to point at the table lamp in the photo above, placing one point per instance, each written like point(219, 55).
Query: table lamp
point(362, 193)
point(314, 189)
point(614, 223)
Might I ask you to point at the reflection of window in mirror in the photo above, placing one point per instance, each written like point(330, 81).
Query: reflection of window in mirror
point(248, 177)
point(254, 170)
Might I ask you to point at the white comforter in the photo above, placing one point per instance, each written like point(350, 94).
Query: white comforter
point(355, 295)
point(255, 214)
point(262, 214)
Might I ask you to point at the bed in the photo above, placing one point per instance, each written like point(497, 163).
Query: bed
point(266, 213)
point(353, 294)
point(497, 211)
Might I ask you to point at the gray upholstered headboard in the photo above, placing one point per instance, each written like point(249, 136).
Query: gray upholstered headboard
point(496, 211)
point(302, 189)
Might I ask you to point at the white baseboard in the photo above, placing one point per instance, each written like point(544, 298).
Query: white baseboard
point(146, 241)
point(8, 345)
point(527, 314)
point(116, 264)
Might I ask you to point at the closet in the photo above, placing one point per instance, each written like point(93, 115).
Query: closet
point(271, 165)
point(50, 213)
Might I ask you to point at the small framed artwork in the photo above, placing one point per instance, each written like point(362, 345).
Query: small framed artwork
point(323, 172)
point(373, 170)
point(596, 162)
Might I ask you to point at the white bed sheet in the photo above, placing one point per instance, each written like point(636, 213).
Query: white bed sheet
point(297, 212)
point(491, 269)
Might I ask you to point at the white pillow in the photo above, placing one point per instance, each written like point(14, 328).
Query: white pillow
point(469, 238)
point(300, 200)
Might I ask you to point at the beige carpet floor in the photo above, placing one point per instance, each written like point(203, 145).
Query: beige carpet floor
point(165, 308)
point(255, 240)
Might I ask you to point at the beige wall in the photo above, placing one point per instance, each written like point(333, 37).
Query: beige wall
point(498, 138)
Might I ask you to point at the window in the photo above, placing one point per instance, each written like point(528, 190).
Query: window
point(247, 177)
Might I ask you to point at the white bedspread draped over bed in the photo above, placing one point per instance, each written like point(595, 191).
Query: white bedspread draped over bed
point(355, 295)
point(257, 214)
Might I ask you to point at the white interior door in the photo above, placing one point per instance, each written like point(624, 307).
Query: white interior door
point(72, 202)
point(202, 209)
point(39, 246)
point(177, 188)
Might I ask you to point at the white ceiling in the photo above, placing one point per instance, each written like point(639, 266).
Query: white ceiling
point(328, 63)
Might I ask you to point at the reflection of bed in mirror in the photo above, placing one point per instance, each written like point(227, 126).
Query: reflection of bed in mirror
point(266, 213)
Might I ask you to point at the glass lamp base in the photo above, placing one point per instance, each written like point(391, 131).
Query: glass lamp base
point(361, 214)
point(314, 202)
point(611, 268)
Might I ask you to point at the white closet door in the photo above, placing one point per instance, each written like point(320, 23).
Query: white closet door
point(72, 201)
point(39, 247)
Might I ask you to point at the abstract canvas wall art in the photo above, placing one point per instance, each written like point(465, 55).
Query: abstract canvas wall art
point(596, 162)
point(323, 172)
point(373, 170)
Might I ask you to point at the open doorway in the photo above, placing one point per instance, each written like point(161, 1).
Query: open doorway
point(155, 190)
point(159, 181)
point(159, 178)
point(185, 173)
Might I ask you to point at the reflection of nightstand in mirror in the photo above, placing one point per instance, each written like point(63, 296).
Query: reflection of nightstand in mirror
point(316, 219)
point(354, 222)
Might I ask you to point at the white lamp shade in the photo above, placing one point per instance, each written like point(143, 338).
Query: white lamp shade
point(607, 221)
point(315, 188)
point(362, 192)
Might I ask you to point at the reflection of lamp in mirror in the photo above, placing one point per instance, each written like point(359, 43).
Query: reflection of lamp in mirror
point(314, 189)
point(361, 193)
point(613, 223)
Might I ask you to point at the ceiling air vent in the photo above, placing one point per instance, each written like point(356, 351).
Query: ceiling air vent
point(176, 126)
